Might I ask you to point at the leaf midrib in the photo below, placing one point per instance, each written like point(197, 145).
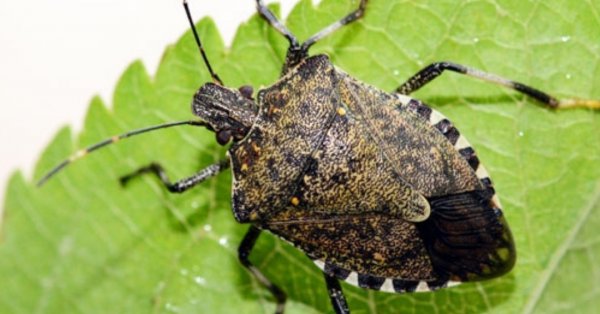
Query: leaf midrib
point(560, 253)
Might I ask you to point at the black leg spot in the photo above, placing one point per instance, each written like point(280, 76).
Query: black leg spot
point(437, 285)
point(370, 282)
point(470, 156)
point(402, 286)
point(489, 186)
point(449, 131)
point(335, 271)
point(420, 108)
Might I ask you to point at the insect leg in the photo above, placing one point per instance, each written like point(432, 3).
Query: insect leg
point(434, 70)
point(183, 184)
point(243, 254)
point(296, 53)
point(354, 16)
point(336, 294)
point(266, 14)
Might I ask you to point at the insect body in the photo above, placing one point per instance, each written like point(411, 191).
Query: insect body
point(378, 189)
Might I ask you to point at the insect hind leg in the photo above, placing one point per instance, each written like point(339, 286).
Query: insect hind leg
point(435, 69)
point(244, 253)
point(183, 184)
point(338, 300)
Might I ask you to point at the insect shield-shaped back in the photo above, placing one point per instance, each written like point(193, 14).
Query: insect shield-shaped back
point(381, 201)
point(283, 169)
point(230, 112)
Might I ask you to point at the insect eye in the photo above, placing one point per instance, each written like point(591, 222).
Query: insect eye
point(223, 137)
point(246, 91)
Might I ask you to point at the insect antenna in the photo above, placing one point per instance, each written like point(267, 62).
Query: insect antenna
point(115, 139)
point(214, 75)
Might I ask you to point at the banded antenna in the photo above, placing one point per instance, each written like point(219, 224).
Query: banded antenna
point(214, 75)
point(117, 138)
point(112, 140)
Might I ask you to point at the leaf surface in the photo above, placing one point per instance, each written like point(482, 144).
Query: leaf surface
point(84, 244)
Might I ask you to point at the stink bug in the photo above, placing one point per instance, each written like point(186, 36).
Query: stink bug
point(378, 189)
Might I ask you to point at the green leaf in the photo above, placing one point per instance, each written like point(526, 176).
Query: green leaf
point(84, 244)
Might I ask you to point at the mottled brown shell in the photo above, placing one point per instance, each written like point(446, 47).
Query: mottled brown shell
point(377, 188)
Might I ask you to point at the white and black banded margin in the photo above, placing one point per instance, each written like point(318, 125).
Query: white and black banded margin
point(464, 148)
point(391, 285)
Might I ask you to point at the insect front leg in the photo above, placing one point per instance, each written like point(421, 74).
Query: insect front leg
point(297, 52)
point(434, 70)
point(243, 254)
point(338, 300)
point(183, 184)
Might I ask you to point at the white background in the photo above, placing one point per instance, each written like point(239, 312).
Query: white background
point(55, 55)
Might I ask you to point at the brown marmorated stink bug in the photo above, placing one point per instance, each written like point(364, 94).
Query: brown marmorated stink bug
point(378, 189)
